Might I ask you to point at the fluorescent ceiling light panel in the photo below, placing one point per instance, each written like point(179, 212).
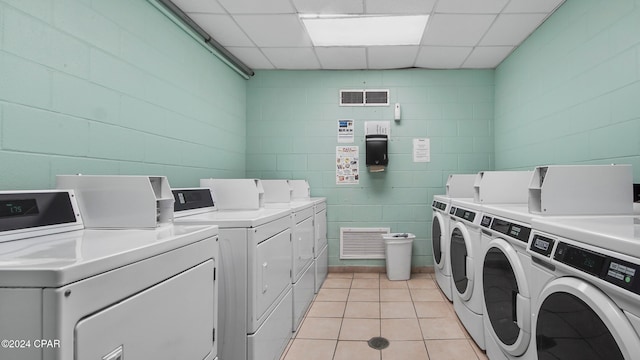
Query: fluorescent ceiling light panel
point(368, 30)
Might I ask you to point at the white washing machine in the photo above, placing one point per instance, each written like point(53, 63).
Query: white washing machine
point(505, 280)
point(586, 302)
point(279, 194)
point(465, 249)
point(73, 293)
point(302, 191)
point(460, 186)
point(255, 270)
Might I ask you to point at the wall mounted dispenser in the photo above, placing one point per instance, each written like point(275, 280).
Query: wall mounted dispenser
point(376, 148)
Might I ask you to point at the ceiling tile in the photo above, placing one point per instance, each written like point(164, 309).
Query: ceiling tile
point(274, 30)
point(512, 29)
point(222, 28)
point(391, 57)
point(257, 6)
point(292, 58)
point(412, 7)
point(201, 6)
point(529, 6)
point(329, 6)
point(442, 57)
point(342, 57)
point(251, 56)
point(487, 57)
point(456, 30)
point(471, 6)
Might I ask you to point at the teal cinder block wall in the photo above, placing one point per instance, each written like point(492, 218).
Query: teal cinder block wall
point(292, 133)
point(571, 92)
point(112, 87)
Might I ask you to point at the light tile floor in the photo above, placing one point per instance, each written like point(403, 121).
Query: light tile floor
point(413, 315)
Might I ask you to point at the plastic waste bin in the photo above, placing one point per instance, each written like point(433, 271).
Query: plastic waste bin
point(398, 255)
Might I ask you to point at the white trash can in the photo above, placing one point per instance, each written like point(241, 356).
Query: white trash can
point(398, 255)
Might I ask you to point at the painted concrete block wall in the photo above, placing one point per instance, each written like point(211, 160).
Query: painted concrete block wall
point(112, 87)
point(571, 92)
point(292, 133)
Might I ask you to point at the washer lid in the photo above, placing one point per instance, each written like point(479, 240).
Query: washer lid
point(57, 260)
point(235, 218)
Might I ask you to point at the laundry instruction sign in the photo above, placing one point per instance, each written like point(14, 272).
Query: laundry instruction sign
point(347, 162)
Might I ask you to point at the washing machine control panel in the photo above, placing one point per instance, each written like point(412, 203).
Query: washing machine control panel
point(189, 199)
point(610, 269)
point(542, 245)
point(36, 210)
point(510, 229)
point(486, 221)
point(440, 206)
point(465, 214)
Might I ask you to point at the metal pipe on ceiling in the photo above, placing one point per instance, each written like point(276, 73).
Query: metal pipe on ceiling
point(179, 17)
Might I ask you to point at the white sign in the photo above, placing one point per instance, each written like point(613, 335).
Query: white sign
point(347, 162)
point(345, 131)
point(421, 150)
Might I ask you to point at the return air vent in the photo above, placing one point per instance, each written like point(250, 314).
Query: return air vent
point(362, 243)
point(364, 97)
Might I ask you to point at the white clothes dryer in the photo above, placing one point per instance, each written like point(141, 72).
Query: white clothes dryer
point(73, 293)
point(586, 302)
point(255, 312)
point(465, 248)
point(505, 279)
point(458, 186)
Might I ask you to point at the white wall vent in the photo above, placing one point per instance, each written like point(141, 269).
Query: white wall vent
point(362, 243)
point(376, 97)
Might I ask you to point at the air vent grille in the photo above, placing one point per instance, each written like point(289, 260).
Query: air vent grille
point(360, 97)
point(362, 243)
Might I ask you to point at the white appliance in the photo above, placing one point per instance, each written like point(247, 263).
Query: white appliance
point(300, 190)
point(73, 293)
point(586, 302)
point(278, 194)
point(458, 186)
point(507, 264)
point(466, 247)
point(255, 269)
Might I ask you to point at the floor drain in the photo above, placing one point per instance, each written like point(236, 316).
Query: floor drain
point(378, 343)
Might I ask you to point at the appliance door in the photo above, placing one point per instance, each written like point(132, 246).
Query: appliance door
point(320, 227)
point(506, 297)
point(461, 261)
point(438, 241)
point(575, 320)
point(304, 238)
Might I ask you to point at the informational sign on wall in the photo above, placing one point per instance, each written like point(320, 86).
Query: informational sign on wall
point(347, 165)
point(345, 131)
point(421, 150)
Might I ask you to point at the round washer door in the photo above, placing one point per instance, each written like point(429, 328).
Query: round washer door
point(437, 240)
point(506, 297)
point(575, 320)
point(461, 257)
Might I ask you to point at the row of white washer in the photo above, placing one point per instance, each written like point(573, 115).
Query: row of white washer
point(577, 298)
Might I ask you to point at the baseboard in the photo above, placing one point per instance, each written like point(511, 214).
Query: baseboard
point(375, 269)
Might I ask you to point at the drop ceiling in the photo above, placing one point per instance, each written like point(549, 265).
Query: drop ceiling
point(460, 34)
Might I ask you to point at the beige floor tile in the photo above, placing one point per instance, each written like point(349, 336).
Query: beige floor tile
point(286, 350)
point(433, 309)
point(304, 349)
point(397, 310)
point(366, 275)
point(441, 328)
point(426, 295)
point(327, 309)
point(392, 284)
point(422, 276)
point(337, 283)
point(319, 328)
point(362, 310)
point(365, 284)
point(359, 329)
point(332, 295)
point(450, 350)
point(405, 350)
point(395, 295)
point(364, 295)
point(355, 350)
point(420, 283)
point(339, 275)
point(400, 329)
